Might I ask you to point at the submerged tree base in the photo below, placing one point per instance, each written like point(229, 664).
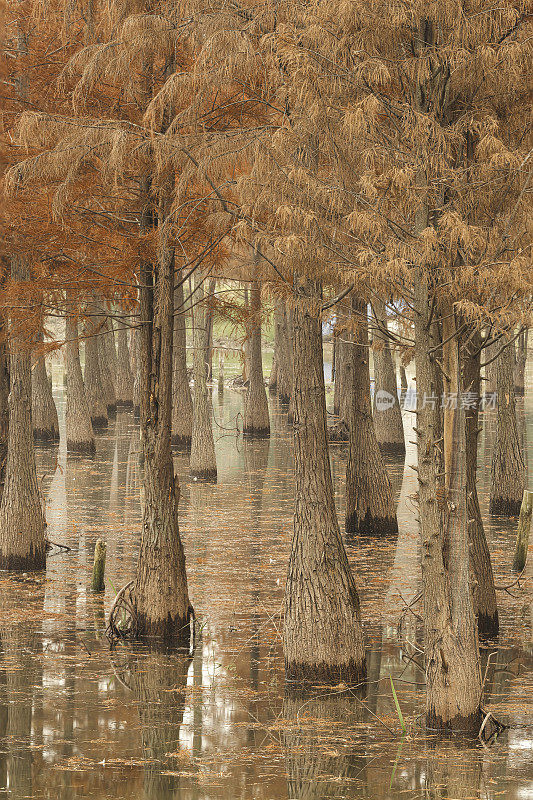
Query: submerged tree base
point(505, 507)
point(124, 405)
point(488, 626)
point(100, 423)
point(301, 675)
point(208, 475)
point(127, 623)
point(256, 433)
point(33, 562)
point(81, 448)
point(181, 442)
point(371, 526)
point(394, 449)
point(45, 435)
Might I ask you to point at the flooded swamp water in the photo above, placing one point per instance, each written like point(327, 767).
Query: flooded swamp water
point(80, 721)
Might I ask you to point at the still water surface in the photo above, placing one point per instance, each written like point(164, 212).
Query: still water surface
point(79, 721)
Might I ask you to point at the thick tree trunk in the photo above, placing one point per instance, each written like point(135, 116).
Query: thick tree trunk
point(256, 416)
point(136, 370)
point(22, 524)
point(273, 381)
point(94, 387)
point(484, 593)
point(508, 469)
point(80, 435)
point(322, 635)
point(106, 372)
point(520, 363)
point(4, 408)
point(182, 410)
point(370, 506)
point(490, 384)
point(203, 460)
point(124, 385)
point(44, 411)
point(388, 422)
point(160, 591)
point(453, 676)
point(285, 366)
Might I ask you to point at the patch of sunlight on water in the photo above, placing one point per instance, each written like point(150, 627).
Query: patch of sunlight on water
point(77, 720)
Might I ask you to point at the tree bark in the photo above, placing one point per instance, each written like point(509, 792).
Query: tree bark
point(453, 676)
point(388, 422)
point(521, 361)
point(94, 387)
point(484, 592)
point(322, 636)
point(370, 507)
point(136, 371)
point(4, 407)
point(273, 380)
point(203, 461)
point(80, 435)
point(104, 361)
point(22, 524)
point(285, 366)
point(162, 608)
point(44, 411)
point(124, 389)
point(182, 410)
point(256, 416)
point(508, 479)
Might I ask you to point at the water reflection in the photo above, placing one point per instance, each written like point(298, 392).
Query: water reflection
point(75, 722)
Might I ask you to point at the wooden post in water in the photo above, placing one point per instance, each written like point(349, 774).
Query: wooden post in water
point(522, 537)
point(97, 584)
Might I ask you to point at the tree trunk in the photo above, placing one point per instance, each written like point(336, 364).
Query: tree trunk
point(4, 407)
point(203, 460)
point(44, 411)
point(94, 387)
point(256, 416)
point(322, 635)
point(453, 676)
point(124, 388)
point(80, 435)
point(521, 360)
point(273, 381)
point(370, 507)
point(136, 371)
point(285, 366)
point(484, 593)
point(388, 422)
point(22, 524)
point(160, 591)
point(104, 361)
point(182, 411)
point(508, 469)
